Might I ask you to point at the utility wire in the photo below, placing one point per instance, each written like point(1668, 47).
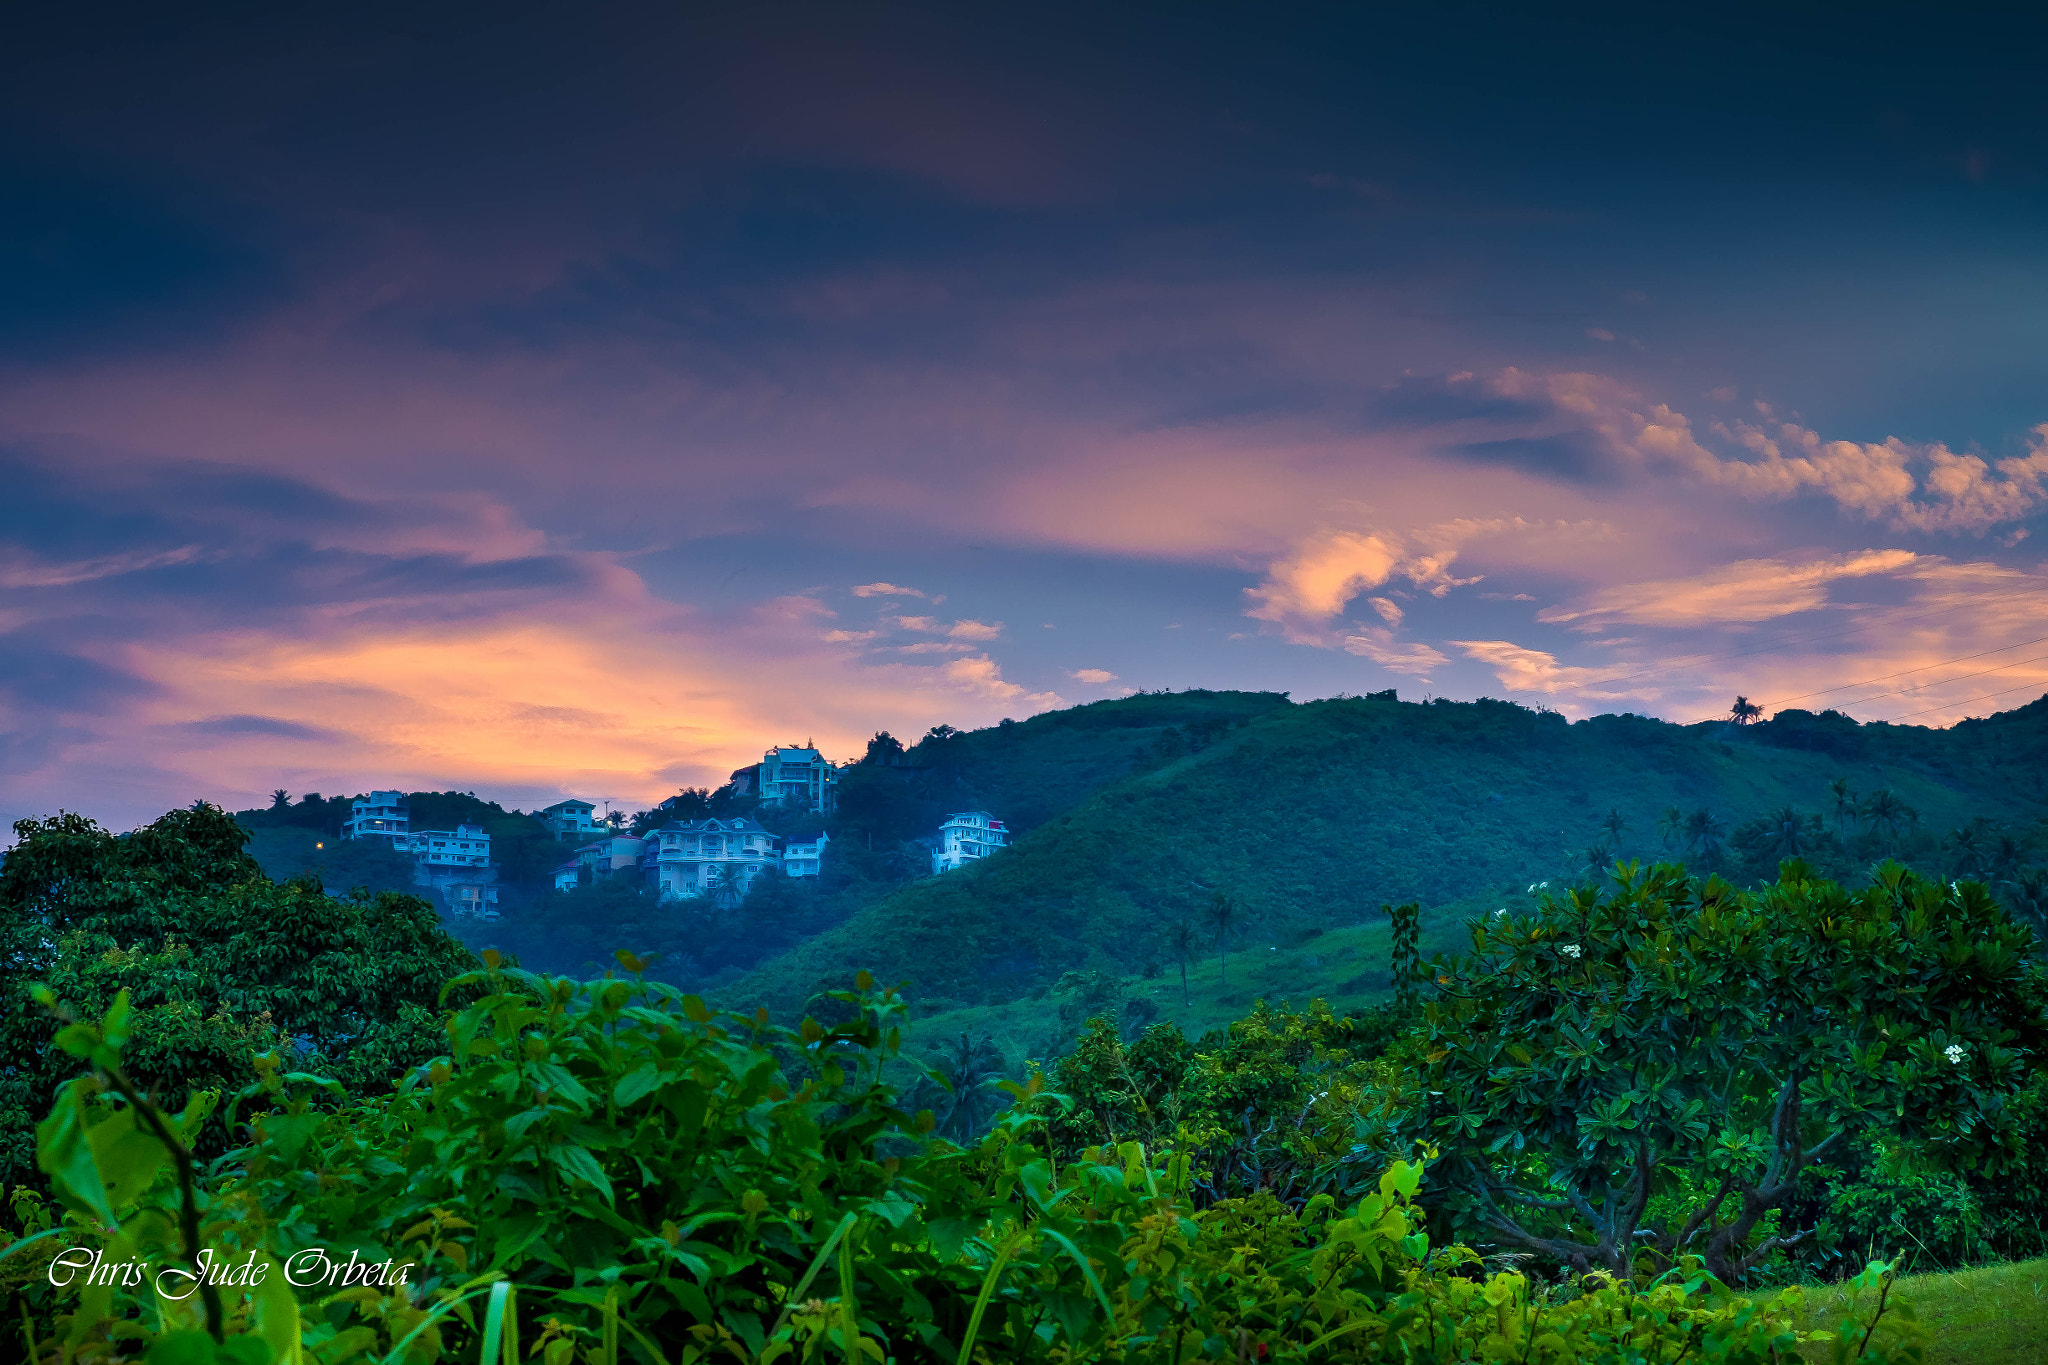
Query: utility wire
point(1961, 677)
point(1902, 673)
point(2028, 687)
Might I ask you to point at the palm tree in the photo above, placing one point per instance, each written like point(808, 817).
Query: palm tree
point(731, 887)
point(1180, 941)
point(1703, 829)
point(1884, 810)
point(2029, 897)
point(1224, 918)
point(1966, 848)
point(1845, 803)
point(1788, 831)
point(1594, 859)
point(1613, 823)
point(1670, 825)
point(968, 1072)
point(280, 798)
point(1745, 711)
point(2007, 855)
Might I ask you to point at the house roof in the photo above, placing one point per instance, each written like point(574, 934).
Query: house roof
point(714, 826)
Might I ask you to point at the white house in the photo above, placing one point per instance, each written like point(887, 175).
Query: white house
point(457, 864)
point(380, 815)
point(693, 858)
point(568, 874)
point(804, 858)
point(573, 820)
point(796, 778)
point(463, 846)
point(966, 837)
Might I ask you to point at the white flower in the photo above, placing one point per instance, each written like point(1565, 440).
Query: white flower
point(1532, 888)
point(1570, 950)
point(1954, 1052)
point(1543, 883)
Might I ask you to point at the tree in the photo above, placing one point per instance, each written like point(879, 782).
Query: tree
point(1613, 823)
point(1703, 831)
point(280, 799)
point(1845, 803)
point(1180, 941)
point(966, 1075)
point(221, 962)
point(1404, 954)
point(1885, 810)
point(1225, 919)
point(1670, 824)
point(1575, 1071)
point(1745, 711)
point(1966, 851)
point(884, 751)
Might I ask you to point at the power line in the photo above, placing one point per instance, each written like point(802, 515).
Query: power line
point(1961, 677)
point(1902, 673)
point(2027, 687)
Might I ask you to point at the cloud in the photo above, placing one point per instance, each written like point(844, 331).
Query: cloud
point(884, 590)
point(229, 727)
point(1378, 644)
point(850, 637)
point(1093, 675)
point(981, 676)
point(1748, 590)
point(935, 647)
point(927, 624)
point(974, 630)
point(1389, 612)
point(1320, 577)
point(1532, 670)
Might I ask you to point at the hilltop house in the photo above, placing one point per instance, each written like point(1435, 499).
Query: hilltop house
point(380, 815)
point(456, 863)
point(796, 778)
point(572, 820)
point(688, 859)
point(804, 858)
point(966, 837)
point(607, 856)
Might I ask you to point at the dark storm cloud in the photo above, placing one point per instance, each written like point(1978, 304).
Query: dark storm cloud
point(1432, 400)
point(228, 727)
point(1577, 457)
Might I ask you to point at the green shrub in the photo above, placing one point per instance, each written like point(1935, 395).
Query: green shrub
point(666, 1185)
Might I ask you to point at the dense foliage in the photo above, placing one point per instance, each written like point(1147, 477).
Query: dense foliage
point(1312, 815)
point(221, 961)
point(662, 1184)
point(1659, 1065)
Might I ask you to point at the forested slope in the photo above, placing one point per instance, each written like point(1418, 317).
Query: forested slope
point(1312, 815)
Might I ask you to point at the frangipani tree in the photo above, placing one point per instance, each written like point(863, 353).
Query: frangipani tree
point(1681, 1038)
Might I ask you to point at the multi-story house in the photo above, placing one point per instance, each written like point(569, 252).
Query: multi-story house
point(804, 858)
point(571, 820)
point(380, 815)
point(688, 859)
point(457, 864)
point(967, 837)
point(796, 779)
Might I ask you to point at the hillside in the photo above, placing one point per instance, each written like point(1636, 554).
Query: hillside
point(1310, 816)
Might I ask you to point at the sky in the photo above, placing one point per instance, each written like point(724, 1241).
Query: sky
point(577, 400)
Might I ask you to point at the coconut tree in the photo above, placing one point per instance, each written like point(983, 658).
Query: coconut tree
point(1845, 803)
point(1703, 830)
point(1886, 810)
point(1670, 824)
point(1614, 823)
point(280, 799)
point(1745, 712)
point(1225, 918)
point(1181, 942)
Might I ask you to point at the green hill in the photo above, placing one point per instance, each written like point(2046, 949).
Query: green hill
point(1311, 816)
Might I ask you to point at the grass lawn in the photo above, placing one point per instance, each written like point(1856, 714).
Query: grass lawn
point(1995, 1315)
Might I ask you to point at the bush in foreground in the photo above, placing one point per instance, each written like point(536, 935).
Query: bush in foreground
point(607, 1170)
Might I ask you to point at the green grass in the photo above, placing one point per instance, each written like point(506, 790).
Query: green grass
point(1344, 967)
point(1993, 1315)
